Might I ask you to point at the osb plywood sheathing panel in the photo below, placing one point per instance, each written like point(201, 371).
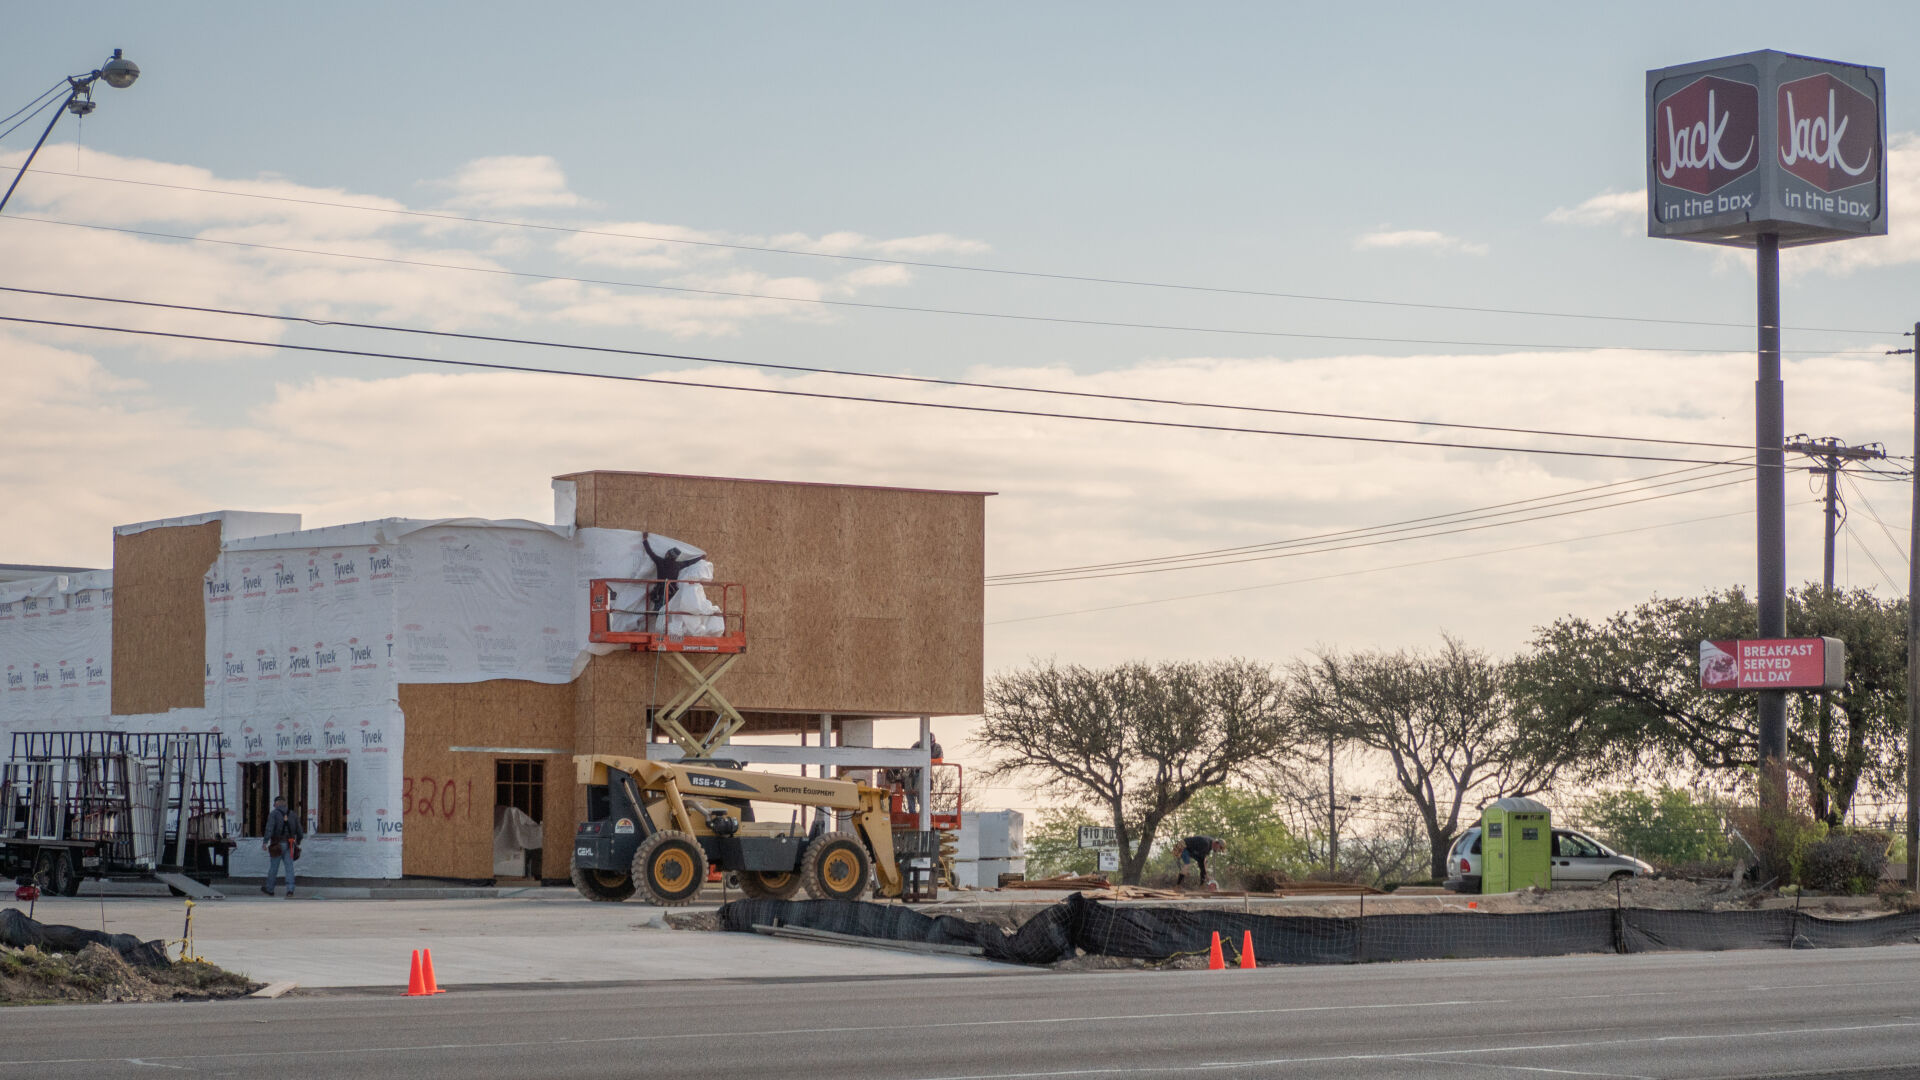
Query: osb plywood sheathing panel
point(448, 795)
point(159, 617)
point(860, 600)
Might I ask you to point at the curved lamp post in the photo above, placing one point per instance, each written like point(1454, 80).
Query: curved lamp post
point(118, 72)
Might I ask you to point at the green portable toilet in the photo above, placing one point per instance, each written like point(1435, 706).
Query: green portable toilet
point(1516, 846)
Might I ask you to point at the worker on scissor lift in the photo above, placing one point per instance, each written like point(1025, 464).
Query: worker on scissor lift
point(667, 567)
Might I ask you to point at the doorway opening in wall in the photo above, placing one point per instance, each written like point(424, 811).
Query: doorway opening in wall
point(519, 806)
point(331, 788)
point(256, 797)
point(293, 784)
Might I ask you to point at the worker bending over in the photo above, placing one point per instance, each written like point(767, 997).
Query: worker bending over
point(1193, 852)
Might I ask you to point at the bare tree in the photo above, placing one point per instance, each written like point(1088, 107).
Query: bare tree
point(1137, 741)
point(1443, 720)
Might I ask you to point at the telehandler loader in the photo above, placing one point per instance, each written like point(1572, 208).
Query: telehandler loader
point(654, 828)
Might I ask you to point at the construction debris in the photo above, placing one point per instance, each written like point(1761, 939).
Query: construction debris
point(1067, 882)
point(32, 976)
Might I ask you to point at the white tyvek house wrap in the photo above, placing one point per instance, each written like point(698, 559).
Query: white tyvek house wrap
point(56, 649)
point(309, 635)
point(307, 645)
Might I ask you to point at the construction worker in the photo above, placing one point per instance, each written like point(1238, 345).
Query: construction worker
point(1193, 852)
point(667, 567)
point(282, 844)
point(909, 779)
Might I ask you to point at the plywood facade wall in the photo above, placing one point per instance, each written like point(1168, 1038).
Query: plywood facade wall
point(447, 796)
point(861, 601)
point(159, 617)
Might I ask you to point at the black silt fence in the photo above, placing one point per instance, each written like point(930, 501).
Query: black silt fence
point(1159, 933)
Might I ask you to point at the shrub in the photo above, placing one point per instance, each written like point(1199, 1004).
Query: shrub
point(1781, 835)
point(1669, 828)
point(1849, 862)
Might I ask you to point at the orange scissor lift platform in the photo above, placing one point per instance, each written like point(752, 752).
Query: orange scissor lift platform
point(652, 632)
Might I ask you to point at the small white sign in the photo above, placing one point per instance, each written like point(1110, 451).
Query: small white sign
point(1109, 860)
point(1098, 836)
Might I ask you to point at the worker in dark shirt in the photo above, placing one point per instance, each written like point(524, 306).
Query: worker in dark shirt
point(1193, 852)
point(666, 568)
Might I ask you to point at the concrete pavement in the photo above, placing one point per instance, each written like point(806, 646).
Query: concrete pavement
point(543, 936)
point(1657, 1017)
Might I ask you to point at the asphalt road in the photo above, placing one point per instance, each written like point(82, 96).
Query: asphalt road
point(1851, 1013)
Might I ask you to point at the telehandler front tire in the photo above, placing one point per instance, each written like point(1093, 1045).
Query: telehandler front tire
point(837, 867)
point(606, 886)
point(769, 884)
point(669, 868)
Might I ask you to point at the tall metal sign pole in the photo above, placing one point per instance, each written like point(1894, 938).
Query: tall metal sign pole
point(1913, 643)
point(1767, 150)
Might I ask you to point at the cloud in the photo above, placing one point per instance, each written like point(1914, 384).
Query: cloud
point(511, 183)
point(96, 451)
point(1901, 244)
point(1417, 239)
point(271, 246)
point(1606, 208)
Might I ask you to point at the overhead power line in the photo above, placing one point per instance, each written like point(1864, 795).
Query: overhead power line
point(925, 380)
point(1383, 535)
point(1432, 532)
point(927, 264)
point(38, 99)
point(1372, 570)
point(822, 396)
point(734, 294)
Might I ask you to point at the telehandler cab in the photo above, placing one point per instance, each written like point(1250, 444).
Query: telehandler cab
point(654, 828)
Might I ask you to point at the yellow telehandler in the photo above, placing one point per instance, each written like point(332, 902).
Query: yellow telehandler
point(654, 828)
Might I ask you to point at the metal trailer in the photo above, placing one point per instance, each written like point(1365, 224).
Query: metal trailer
point(77, 804)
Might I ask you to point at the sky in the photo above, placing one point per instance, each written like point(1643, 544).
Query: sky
point(1387, 210)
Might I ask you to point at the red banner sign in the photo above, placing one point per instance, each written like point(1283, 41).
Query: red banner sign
point(1773, 664)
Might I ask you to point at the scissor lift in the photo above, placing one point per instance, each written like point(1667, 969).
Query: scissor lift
point(650, 628)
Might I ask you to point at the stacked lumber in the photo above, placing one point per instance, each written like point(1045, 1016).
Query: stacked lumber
point(1325, 888)
point(1066, 882)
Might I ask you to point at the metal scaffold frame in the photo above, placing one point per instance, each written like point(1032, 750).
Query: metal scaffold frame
point(649, 628)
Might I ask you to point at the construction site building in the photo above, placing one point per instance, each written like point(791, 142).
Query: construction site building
point(410, 684)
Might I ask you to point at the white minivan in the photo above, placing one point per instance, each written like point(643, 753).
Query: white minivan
point(1578, 859)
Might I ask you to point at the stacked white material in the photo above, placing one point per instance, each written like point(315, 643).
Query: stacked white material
point(689, 611)
point(56, 650)
point(990, 843)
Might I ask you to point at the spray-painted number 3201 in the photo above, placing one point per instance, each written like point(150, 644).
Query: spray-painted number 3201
point(434, 796)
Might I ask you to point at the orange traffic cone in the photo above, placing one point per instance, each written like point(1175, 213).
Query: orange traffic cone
point(426, 967)
point(1216, 962)
point(1246, 950)
point(416, 982)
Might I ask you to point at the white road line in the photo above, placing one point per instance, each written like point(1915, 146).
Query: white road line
point(782, 1032)
point(1532, 1068)
point(1259, 1063)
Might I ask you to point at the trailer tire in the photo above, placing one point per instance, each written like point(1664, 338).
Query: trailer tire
point(769, 884)
point(837, 867)
point(669, 868)
point(53, 873)
point(605, 886)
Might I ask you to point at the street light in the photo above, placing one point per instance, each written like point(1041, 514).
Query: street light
point(118, 72)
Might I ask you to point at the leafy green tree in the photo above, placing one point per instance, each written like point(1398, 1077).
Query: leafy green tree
point(1622, 696)
point(1669, 827)
point(1443, 720)
point(1136, 741)
point(1053, 844)
point(1258, 840)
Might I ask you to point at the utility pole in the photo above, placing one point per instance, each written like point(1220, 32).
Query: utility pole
point(1913, 635)
point(1831, 455)
point(1333, 824)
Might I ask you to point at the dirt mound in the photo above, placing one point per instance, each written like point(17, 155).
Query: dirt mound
point(97, 973)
